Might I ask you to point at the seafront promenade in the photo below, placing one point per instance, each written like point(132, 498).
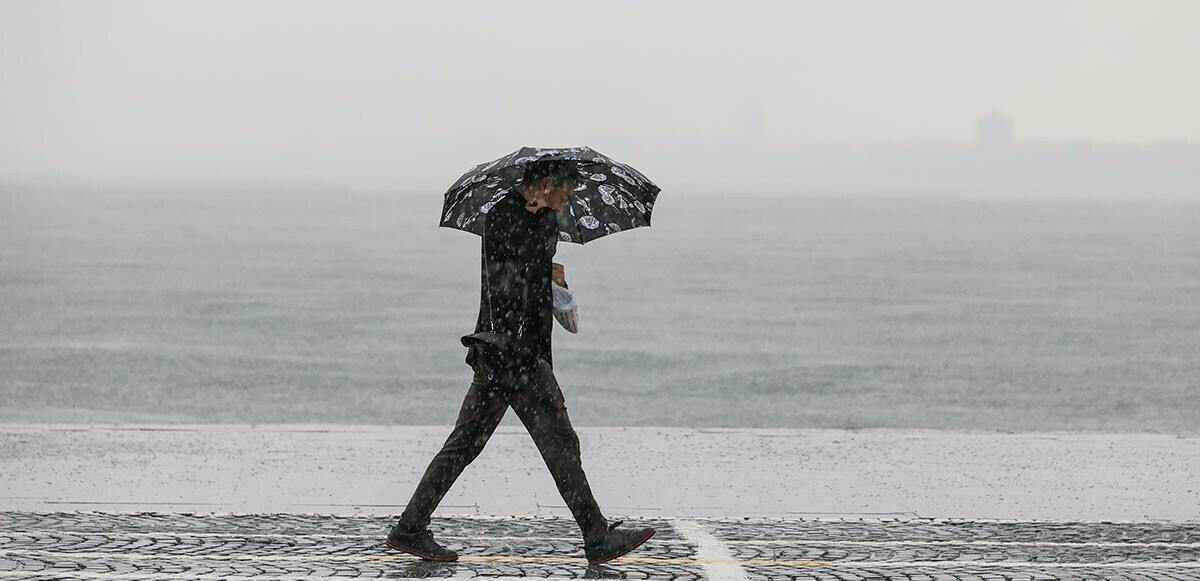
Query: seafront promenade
point(285, 502)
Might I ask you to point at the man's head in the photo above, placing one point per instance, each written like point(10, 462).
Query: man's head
point(550, 181)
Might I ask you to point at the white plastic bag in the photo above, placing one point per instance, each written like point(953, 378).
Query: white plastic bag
point(565, 311)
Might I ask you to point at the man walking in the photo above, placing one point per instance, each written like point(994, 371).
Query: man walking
point(510, 355)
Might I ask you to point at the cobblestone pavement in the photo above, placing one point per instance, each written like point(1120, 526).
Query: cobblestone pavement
point(110, 545)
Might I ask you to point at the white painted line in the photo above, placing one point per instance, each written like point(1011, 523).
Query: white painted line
point(709, 548)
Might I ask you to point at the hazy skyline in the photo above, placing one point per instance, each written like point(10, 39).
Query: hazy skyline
point(413, 94)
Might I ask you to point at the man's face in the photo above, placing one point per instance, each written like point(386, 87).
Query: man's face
point(560, 194)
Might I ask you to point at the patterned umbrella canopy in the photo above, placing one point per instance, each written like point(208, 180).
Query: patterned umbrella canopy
point(610, 196)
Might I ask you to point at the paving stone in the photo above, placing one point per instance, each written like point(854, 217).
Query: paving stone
point(99, 545)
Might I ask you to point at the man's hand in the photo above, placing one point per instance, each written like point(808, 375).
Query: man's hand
point(557, 274)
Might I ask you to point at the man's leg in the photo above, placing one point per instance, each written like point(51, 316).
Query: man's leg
point(540, 405)
point(482, 409)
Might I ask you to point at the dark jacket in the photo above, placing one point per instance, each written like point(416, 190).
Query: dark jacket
point(515, 299)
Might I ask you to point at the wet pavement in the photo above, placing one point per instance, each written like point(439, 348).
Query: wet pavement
point(170, 545)
point(642, 472)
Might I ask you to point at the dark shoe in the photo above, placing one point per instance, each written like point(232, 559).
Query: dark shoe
point(616, 543)
point(419, 543)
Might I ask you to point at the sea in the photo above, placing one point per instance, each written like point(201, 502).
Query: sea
point(815, 310)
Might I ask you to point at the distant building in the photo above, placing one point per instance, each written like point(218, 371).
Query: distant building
point(993, 132)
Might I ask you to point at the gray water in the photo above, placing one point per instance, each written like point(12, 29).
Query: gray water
point(813, 311)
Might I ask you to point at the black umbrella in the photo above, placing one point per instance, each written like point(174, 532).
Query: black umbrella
point(609, 198)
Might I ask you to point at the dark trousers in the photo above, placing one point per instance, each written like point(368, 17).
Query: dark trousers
point(538, 401)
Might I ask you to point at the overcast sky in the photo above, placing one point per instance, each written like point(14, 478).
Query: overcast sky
point(393, 91)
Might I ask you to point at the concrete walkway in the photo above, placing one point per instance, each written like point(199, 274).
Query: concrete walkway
point(644, 472)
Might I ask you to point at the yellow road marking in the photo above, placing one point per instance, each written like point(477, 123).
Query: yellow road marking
point(617, 560)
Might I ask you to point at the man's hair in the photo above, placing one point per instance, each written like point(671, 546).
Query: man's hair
point(557, 169)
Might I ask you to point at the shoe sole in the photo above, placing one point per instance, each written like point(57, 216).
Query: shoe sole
point(631, 547)
point(421, 554)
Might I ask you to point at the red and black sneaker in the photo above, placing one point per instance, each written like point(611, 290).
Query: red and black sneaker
point(419, 543)
point(616, 543)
